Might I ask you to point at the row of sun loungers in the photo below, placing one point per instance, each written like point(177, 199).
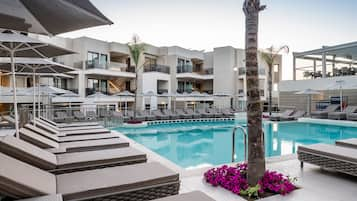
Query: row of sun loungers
point(62, 117)
point(68, 162)
point(179, 114)
point(341, 157)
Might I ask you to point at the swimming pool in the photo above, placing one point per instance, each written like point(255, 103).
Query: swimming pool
point(199, 144)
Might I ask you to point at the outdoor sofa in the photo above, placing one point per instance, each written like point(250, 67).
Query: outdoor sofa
point(143, 181)
point(68, 162)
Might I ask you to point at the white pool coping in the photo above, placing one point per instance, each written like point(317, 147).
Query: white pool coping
point(329, 122)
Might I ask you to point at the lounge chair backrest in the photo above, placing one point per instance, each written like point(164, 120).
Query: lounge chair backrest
point(37, 139)
point(288, 112)
point(157, 113)
point(332, 108)
point(21, 180)
point(299, 113)
point(46, 126)
point(42, 132)
point(27, 152)
point(8, 119)
point(350, 109)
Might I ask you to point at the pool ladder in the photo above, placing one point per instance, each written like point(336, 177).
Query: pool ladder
point(234, 139)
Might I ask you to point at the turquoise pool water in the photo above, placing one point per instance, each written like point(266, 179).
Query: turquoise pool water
point(197, 144)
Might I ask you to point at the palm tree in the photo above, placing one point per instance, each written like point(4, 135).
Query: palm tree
point(136, 49)
point(269, 57)
point(256, 155)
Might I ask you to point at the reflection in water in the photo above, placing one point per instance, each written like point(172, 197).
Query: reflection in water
point(210, 143)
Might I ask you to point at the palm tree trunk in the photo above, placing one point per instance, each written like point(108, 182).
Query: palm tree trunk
point(136, 92)
point(270, 88)
point(256, 155)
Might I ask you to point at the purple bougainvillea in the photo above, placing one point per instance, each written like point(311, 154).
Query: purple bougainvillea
point(234, 179)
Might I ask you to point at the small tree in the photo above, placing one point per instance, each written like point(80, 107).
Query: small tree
point(269, 57)
point(256, 153)
point(136, 49)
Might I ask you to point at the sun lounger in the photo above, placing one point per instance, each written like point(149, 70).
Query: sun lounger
point(53, 129)
point(73, 124)
point(342, 115)
point(352, 143)
point(228, 112)
point(337, 158)
point(286, 114)
point(324, 113)
point(149, 116)
point(204, 114)
point(69, 138)
point(171, 114)
point(192, 196)
point(79, 115)
point(294, 116)
point(91, 116)
point(182, 114)
point(9, 119)
point(75, 146)
point(160, 116)
point(215, 112)
point(194, 114)
point(144, 181)
point(68, 162)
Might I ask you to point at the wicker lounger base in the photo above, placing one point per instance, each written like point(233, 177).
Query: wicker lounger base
point(328, 163)
point(144, 194)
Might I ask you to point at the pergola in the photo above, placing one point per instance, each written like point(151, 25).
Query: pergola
point(345, 54)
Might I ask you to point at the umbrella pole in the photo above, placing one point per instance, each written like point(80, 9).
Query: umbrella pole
point(34, 97)
point(12, 55)
point(39, 99)
point(341, 97)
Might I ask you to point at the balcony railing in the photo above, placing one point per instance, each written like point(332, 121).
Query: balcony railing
point(122, 67)
point(157, 68)
point(242, 71)
point(162, 91)
point(191, 69)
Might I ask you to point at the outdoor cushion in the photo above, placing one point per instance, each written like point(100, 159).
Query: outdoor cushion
point(347, 143)
point(192, 196)
point(91, 145)
point(68, 162)
point(113, 180)
point(55, 197)
point(86, 131)
point(37, 139)
point(21, 180)
point(27, 152)
point(331, 151)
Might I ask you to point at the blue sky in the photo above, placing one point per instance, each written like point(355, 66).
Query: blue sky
point(205, 24)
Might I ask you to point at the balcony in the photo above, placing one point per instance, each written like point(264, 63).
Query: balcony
point(157, 68)
point(162, 91)
point(111, 66)
point(242, 71)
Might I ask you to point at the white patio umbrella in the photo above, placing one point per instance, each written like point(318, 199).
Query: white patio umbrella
point(36, 65)
point(149, 94)
point(339, 85)
point(309, 93)
point(17, 45)
point(49, 17)
point(125, 94)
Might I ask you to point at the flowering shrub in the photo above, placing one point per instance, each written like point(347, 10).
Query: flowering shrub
point(235, 180)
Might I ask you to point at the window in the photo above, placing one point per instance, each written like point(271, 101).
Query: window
point(92, 57)
point(276, 68)
point(96, 60)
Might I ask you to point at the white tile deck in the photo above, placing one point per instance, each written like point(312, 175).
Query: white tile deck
point(316, 184)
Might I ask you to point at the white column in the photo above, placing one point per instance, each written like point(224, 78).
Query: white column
point(314, 67)
point(324, 65)
point(294, 68)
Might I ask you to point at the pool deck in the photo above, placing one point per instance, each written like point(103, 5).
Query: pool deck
point(316, 184)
